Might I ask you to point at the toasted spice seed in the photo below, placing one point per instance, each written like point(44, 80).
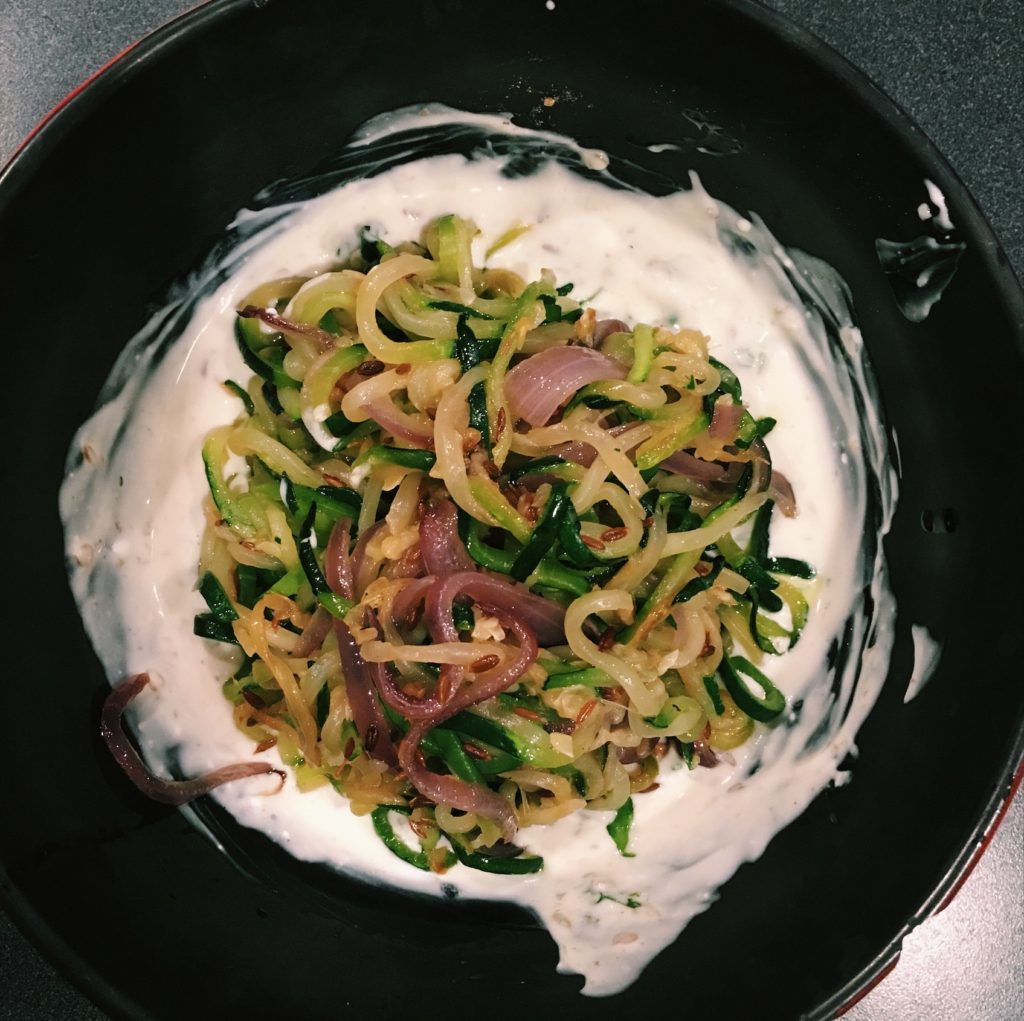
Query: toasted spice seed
point(89, 455)
point(266, 745)
point(444, 687)
point(591, 542)
point(371, 367)
point(350, 747)
point(475, 751)
point(528, 714)
point(702, 567)
point(499, 425)
point(585, 710)
point(253, 699)
point(648, 521)
point(372, 735)
point(421, 759)
point(248, 544)
point(332, 480)
point(614, 534)
point(420, 827)
point(251, 722)
point(418, 800)
point(484, 663)
point(414, 689)
point(607, 640)
point(404, 369)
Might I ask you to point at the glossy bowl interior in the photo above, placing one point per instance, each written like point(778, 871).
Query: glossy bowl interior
point(132, 183)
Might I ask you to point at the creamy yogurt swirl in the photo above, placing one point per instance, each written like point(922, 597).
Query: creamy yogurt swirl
point(133, 520)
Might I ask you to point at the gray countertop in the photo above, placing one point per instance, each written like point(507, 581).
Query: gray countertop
point(958, 68)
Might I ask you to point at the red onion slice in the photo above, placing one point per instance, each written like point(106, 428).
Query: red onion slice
point(337, 562)
point(725, 420)
point(604, 328)
point(361, 568)
point(409, 428)
point(408, 599)
point(583, 453)
point(440, 546)
point(323, 339)
point(684, 463)
point(449, 790)
point(170, 792)
point(539, 385)
point(313, 634)
point(371, 723)
point(544, 617)
point(781, 491)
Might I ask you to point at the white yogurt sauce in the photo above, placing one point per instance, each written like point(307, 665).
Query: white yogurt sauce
point(133, 521)
point(927, 653)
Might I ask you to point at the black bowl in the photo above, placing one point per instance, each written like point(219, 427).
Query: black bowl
point(130, 185)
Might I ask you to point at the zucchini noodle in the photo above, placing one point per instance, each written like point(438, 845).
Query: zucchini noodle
point(471, 592)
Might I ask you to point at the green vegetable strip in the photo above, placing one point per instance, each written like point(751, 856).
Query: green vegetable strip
point(700, 584)
point(454, 756)
point(337, 606)
point(217, 599)
point(206, 625)
point(547, 466)
point(757, 547)
point(643, 353)
point(571, 541)
point(544, 534)
point(288, 584)
point(263, 353)
point(763, 708)
point(788, 565)
point(488, 731)
point(590, 677)
point(462, 617)
point(477, 403)
point(467, 349)
point(307, 555)
point(798, 608)
point(455, 260)
point(394, 843)
point(741, 491)
point(239, 392)
point(465, 311)
point(711, 687)
point(664, 444)
point(494, 502)
point(418, 460)
point(729, 384)
point(657, 603)
point(549, 573)
point(243, 511)
point(521, 866)
point(618, 828)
